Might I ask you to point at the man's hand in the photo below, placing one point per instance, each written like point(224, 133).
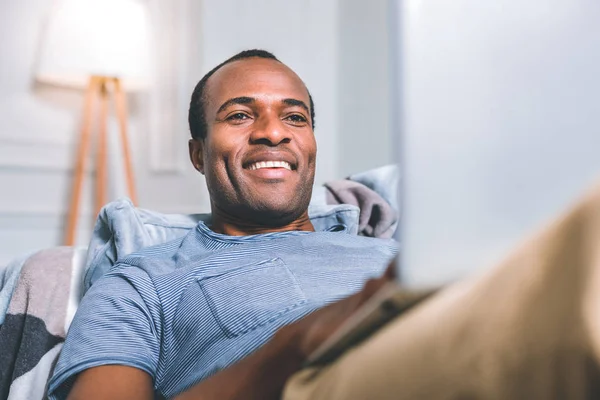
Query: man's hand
point(316, 327)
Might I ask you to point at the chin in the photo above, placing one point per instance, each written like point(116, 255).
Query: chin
point(276, 214)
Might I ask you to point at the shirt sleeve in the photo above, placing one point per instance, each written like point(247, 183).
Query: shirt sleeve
point(117, 322)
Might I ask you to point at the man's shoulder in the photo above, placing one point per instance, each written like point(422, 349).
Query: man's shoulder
point(153, 260)
point(183, 254)
point(343, 246)
point(330, 238)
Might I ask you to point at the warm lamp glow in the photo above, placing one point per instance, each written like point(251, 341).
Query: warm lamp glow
point(101, 45)
point(95, 37)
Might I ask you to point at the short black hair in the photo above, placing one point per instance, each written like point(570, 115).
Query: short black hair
point(196, 116)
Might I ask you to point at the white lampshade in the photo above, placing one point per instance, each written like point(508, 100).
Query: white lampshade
point(96, 37)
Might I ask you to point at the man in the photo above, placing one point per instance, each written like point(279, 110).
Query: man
point(225, 312)
point(223, 315)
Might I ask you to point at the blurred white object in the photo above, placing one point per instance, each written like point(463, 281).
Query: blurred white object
point(501, 126)
point(95, 37)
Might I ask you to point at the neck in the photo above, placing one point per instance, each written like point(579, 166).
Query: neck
point(234, 226)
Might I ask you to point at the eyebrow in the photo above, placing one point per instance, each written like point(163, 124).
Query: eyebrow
point(250, 100)
point(294, 102)
point(236, 100)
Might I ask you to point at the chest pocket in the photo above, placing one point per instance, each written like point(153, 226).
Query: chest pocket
point(251, 296)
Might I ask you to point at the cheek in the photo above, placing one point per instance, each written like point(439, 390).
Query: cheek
point(220, 160)
point(225, 144)
point(310, 147)
point(217, 151)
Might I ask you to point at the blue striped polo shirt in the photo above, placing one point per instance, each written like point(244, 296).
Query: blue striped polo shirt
point(184, 310)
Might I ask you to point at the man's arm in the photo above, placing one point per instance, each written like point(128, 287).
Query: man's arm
point(261, 375)
point(116, 382)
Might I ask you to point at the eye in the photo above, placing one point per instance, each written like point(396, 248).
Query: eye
point(296, 119)
point(238, 117)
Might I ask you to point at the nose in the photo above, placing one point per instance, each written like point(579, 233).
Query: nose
point(271, 131)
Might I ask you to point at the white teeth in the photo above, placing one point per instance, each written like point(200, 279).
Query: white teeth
point(270, 164)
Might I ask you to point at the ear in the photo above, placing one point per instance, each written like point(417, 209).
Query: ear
point(196, 147)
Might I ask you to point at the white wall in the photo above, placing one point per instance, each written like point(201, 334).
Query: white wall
point(502, 125)
point(364, 86)
point(39, 125)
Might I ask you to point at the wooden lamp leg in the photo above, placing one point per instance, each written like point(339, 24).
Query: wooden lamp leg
point(121, 104)
point(82, 155)
point(101, 155)
point(98, 86)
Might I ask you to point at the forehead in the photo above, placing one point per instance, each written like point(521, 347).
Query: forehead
point(254, 77)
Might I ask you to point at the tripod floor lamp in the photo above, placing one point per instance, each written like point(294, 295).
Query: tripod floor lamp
point(102, 46)
point(100, 88)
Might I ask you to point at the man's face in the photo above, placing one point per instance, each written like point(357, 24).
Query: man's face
point(259, 153)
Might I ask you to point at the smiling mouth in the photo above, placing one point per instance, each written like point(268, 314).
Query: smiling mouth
point(269, 164)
